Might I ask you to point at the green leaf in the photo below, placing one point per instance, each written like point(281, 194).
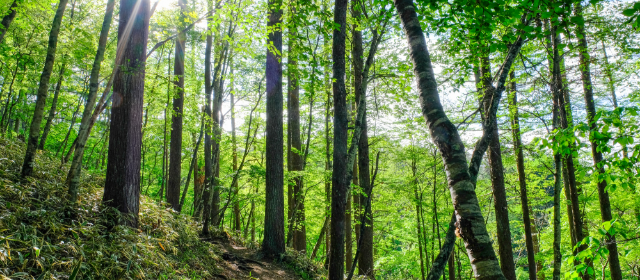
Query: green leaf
point(629, 12)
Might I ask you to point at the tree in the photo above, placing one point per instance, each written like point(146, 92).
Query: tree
point(73, 177)
point(273, 243)
point(122, 183)
point(8, 18)
point(52, 111)
point(175, 155)
point(43, 88)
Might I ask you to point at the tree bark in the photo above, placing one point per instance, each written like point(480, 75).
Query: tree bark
point(41, 100)
point(73, 177)
point(418, 227)
point(175, 154)
point(496, 171)
point(522, 180)
point(208, 91)
point(52, 111)
point(273, 243)
point(603, 195)
point(557, 160)
point(470, 223)
point(340, 188)
point(7, 19)
point(236, 203)
point(122, 183)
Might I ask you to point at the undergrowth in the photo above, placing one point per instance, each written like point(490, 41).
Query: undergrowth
point(42, 236)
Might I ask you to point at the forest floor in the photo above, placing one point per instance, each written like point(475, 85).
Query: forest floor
point(44, 236)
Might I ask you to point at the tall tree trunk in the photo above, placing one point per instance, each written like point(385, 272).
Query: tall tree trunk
point(165, 141)
point(52, 111)
point(274, 239)
point(340, 188)
point(7, 19)
point(73, 177)
point(295, 160)
point(556, 86)
point(236, 203)
point(418, 227)
point(43, 88)
point(452, 266)
point(522, 180)
point(496, 170)
point(122, 183)
point(208, 91)
point(175, 155)
point(603, 195)
point(327, 166)
point(612, 88)
point(470, 223)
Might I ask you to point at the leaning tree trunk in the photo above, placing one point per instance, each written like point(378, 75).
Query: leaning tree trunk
point(470, 223)
point(175, 154)
point(522, 180)
point(273, 242)
point(122, 183)
point(6, 20)
point(73, 177)
point(340, 188)
point(41, 100)
point(52, 111)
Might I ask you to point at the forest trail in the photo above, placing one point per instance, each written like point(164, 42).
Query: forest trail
point(244, 263)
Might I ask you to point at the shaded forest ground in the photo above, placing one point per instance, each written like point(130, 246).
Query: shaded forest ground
point(42, 236)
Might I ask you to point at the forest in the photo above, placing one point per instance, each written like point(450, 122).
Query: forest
point(317, 139)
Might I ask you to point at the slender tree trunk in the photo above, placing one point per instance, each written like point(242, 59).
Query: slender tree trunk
point(208, 91)
point(274, 239)
point(327, 167)
point(73, 177)
point(340, 188)
point(122, 184)
point(66, 137)
point(496, 170)
point(52, 111)
point(236, 203)
point(522, 180)
point(6, 20)
point(452, 266)
point(603, 195)
point(470, 222)
point(41, 100)
point(175, 154)
point(193, 167)
point(165, 141)
point(415, 191)
point(557, 230)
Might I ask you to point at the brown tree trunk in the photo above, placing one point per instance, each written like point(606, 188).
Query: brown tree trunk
point(522, 180)
point(556, 86)
point(496, 170)
point(7, 19)
point(52, 111)
point(418, 205)
point(236, 203)
point(175, 154)
point(43, 88)
point(274, 240)
point(122, 183)
point(73, 177)
point(208, 91)
point(603, 195)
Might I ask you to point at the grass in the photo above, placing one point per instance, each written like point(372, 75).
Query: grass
point(43, 236)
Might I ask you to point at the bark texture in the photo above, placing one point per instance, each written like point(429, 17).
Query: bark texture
point(43, 88)
point(122, 183)
point(7, 19)
point(444, 134)
point(273, 242)
point(175, 154)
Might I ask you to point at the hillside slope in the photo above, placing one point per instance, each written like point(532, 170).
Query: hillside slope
point(42, 236)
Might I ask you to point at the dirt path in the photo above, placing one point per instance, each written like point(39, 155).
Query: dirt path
point(243, 263)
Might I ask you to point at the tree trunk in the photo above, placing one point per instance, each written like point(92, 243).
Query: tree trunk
point(522, 180)
point(63, 147)
point(41, 100)
point(419, 229)
point(340, 188)
point(73, 177)
point(496, 170)
point(193, 167)
point(208, 91)
point(236, 203)
point(175, 154)
point(557, 159)
point(444, 134)
point(6, 20)
point(122, 183)
point(274, 240)
point(52, 111)
point(327, 167)
point(603, 195)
